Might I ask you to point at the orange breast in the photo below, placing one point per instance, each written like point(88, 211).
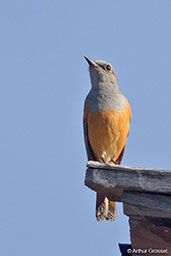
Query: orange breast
point(107, 132)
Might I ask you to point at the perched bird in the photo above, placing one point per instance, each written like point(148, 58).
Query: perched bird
point(106, 122)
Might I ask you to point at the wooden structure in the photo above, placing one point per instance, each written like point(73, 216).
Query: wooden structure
point(146, 197)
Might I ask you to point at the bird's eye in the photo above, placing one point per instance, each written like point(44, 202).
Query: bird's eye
point(108, 67)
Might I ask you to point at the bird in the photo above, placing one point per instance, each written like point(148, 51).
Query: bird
point(106, 124)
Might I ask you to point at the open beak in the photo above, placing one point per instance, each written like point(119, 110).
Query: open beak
point(90, 62)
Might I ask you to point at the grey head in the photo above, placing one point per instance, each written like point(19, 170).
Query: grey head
point(105, 93)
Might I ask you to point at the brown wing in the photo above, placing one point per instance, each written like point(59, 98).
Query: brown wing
point(89, 151)
point(118, 161)
point(90, 154)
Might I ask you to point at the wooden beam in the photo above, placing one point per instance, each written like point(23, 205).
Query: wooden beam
point(146, 197)
point(114, 179)
point(146, 204)
point(148, 238)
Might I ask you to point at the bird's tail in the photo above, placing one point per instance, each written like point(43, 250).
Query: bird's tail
point(105, 209)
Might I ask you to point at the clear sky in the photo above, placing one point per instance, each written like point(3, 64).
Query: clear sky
point(45, 209)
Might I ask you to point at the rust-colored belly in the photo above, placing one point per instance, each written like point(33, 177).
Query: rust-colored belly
point(107, 132)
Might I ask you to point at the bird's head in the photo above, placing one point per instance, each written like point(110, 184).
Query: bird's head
point(102, 74)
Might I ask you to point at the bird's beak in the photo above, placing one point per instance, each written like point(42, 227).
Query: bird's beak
point(90, 62)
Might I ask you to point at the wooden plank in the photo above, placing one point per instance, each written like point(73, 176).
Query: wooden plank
point(148, 237)
point(114, 179)
point(146, 204)
point(146, 197)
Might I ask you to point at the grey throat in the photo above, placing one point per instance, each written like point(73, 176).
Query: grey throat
point(100, 99)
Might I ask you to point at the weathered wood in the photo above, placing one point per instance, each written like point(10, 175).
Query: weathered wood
point(148, 237)
point(146, 197)
point(114, 179)
point(146, 204)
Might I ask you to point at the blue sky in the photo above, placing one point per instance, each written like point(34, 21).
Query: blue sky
point(45, 207)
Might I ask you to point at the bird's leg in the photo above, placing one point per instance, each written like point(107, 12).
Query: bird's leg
point(114, 162)
point(104, 158)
